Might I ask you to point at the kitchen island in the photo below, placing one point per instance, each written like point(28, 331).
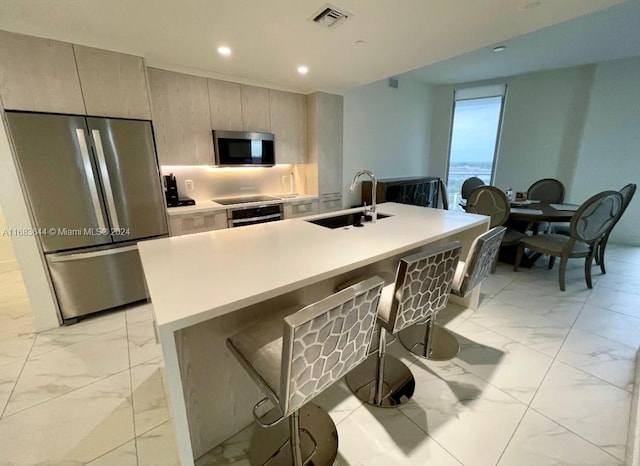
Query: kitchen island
point(208, 286)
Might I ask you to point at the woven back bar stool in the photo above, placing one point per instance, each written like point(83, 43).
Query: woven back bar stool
point(434, 342)
point(422, 285)
point(294, 358)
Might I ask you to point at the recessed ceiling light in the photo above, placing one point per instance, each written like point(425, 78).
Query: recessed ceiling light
point(531, 5)
point(303, 70)
point(223, 50)
point(359, 42)
point(499, 48)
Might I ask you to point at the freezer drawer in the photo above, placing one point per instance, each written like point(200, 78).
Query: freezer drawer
point(94, 281)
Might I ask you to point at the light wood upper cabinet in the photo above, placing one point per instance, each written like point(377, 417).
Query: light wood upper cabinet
point(113, 84)
point(180, 110)
point(325, 113)
point(225, 106)
point(38, 74)
point(255, 108)
point(288, 113)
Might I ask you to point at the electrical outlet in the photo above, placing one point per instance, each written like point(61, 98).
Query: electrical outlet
point(284, 180)
point(188, 185)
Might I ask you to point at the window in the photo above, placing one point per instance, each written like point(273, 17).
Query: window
point(475, 130)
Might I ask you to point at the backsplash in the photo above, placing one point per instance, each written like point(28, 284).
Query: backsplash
point(211, 182)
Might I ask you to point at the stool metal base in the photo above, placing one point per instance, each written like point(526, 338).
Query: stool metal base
point(444, 345)
point(319, 439)
point(398, 386)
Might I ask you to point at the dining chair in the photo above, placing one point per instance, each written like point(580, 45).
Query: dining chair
point(469, 185)
point(440, 344)
point(547, 190)
point(490, 201)
point(589, 225)
point(627, 193)
point(295, 355)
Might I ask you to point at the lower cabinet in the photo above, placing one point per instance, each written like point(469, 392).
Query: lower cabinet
point(197, 222)
point(330, 202)
point(300, 208)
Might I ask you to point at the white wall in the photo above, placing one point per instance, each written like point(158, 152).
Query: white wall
point(7, 258)
point(609, 156)
point(542, 126)
point(386, 131)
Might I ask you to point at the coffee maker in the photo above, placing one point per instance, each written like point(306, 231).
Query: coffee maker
point(171, 193)
point(171, 190)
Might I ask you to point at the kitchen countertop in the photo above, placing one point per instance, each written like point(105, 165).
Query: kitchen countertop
point(198, 277)
point(207, 205)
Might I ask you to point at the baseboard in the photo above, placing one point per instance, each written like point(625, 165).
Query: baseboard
point(632, 458)
point(8, 266)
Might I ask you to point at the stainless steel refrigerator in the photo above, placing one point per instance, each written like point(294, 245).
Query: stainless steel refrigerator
point(94, 190)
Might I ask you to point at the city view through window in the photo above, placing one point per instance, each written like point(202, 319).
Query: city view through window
point(474, 135)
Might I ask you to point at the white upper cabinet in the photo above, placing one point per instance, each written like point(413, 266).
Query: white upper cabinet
point(225, 105)
point(288, 112)
point(181, 118)
point(38, 75)
point(113, 84)
point(255, 108)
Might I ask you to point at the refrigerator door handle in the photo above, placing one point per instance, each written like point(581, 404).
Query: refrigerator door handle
point(104, 171)
point(88, 255)
point(88, 171)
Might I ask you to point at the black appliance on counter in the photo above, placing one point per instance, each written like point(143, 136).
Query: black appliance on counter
point(171, 193)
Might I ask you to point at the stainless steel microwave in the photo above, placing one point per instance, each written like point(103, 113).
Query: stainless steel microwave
point(244, 149)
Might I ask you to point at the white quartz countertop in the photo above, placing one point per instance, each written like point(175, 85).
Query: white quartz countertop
point(207, 205)
point(197, 277)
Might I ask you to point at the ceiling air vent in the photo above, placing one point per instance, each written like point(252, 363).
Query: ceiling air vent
point(329, 16)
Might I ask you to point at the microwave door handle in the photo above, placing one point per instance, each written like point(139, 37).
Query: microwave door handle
point(88, 172)
point(104, 172)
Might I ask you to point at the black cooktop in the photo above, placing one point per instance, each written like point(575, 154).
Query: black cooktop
point(244, 199)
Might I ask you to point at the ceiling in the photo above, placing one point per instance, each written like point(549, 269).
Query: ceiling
point(608, 34)
point(270, 39)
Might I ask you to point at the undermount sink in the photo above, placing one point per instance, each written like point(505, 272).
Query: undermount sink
point(355, 219)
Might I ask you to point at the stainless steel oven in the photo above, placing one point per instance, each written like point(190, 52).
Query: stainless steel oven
point(241, 216)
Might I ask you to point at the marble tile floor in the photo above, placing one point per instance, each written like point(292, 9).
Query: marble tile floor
point(543, 377)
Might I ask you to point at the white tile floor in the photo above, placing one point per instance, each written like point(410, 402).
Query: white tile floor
point(543, 378)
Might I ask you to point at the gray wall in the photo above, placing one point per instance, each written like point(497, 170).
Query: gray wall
point(386, 131)
point(609, 155)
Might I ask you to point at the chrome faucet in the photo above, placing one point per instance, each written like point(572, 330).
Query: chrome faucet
point(368, 210)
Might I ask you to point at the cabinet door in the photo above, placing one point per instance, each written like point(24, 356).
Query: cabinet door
point(38, 75)
point(113, 84)
point(197, 222)
point(288, 113)
point(330, 115)
point(301, 209)
point(225, 106)
point(255, 108)
point(180, 110)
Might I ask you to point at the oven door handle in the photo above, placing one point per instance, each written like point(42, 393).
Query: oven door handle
point(253, 219)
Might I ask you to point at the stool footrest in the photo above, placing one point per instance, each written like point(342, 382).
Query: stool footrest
point(271, 413)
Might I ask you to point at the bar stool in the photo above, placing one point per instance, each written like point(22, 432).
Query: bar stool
point(423, 281)
point(293, 357)
point(431, 341)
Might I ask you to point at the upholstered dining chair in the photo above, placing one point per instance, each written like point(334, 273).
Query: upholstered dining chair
point(421, 289)
point(293, 357)
point(590, 223)
point(441, 344)
point(547, 190)
point(627, 193)
point(490, 201)
point(469, 185)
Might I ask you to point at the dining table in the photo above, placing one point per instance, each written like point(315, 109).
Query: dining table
point(537, 211)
